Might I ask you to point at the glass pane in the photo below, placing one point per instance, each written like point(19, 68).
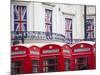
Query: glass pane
point(50, 65)
point(81, 63)
point(81, 67)
point(81, 60)
point(67, 67)
point(67, 64)
point(35, 62)
point(16, 67)
point(51, 68)
point(51, 61)
point(35, 66)
point(67, 61)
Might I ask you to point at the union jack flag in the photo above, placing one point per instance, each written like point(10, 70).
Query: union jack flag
point(90, 35)
point(68, 35)
point(68, 24)
point(68, 28)
point(20, 18)
point(48, 23)
point(90, 29)
point(89, 24)
point(48, 16)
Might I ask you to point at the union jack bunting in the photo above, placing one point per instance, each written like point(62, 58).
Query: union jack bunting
point(20, 18)
point(68, 35)
point(90, 24)
point(68, 28)
point(48, 16)
point(90, 35)
point(48, 23)
point(89, 29)
point(68, 24)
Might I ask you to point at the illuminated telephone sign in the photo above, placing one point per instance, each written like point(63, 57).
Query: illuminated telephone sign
point(34, 52)
point(81, 49)
point(66, 51)
point(50, 51)
point(18, 52)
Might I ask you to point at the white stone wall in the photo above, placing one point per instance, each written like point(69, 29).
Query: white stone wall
point(36, 17)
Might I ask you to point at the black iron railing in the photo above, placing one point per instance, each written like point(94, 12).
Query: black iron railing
point(37, 35)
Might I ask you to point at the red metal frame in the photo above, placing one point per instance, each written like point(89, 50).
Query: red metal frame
point(53, 55)
point(67, 54)
point(21, 57)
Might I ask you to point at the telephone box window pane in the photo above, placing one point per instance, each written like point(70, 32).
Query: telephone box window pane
point(50, 65)
point(67, 64)
point(35, 69)
point(35, 62)
point(81, 60)
point(16, 67)
point(35, 65)
point(81, 63)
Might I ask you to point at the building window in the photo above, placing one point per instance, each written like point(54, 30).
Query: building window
point(50, 65)
point(20, 18)
point(90, 29)
point(81, 63)
point(48, 23)
point(35, 66)
point(16, 67)
point(68, 30)
point(67, 64)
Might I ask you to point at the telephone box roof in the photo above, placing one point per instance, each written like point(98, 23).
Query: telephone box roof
point(40, 44)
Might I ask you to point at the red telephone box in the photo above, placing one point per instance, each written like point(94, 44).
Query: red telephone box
point(19, 57)
point(82, 55)
point(93, 55)
point(51, 58)
point(67, 56)
point(34, 55)
point(25, 59)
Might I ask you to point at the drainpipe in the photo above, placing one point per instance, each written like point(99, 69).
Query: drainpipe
point(22, 38)
point(85, 22)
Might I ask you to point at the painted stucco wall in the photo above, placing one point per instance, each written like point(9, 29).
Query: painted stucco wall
point(36, 17)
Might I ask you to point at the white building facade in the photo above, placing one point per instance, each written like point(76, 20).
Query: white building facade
point(52, 20)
